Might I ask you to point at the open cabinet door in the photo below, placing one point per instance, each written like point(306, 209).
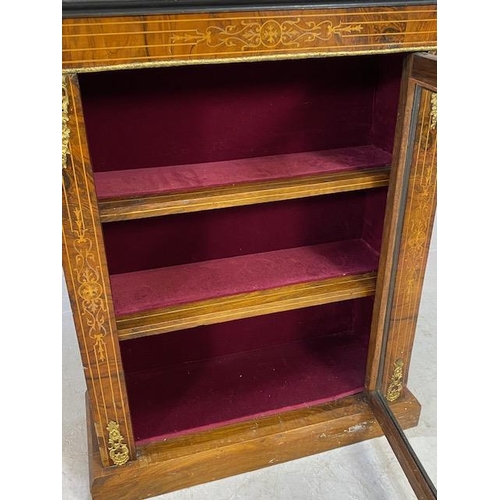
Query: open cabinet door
point(408, 230)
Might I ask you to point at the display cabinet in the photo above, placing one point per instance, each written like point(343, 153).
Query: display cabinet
point(248, 200)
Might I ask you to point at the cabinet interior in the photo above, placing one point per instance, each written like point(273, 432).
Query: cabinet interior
point(195, 354)
point(214, 375)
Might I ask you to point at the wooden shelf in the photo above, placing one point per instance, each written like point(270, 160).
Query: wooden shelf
point(179, 297)
point(148, 192)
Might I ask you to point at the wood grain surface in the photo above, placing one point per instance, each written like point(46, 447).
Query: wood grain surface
point(102, 43)
point(408, 230)
point(91, 44)
point(85, 270)
point(199, 458)
point(245, 305)
point(244, 194)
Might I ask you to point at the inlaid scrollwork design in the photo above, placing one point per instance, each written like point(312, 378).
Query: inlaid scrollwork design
point(90, 290)
point(249, 34)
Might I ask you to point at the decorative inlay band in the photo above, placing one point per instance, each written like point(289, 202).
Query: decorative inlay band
point(396, 385)
point(65, 120)
point(118, 450)
point(434, 112)
point(249, 34)
point(90, 291)
point(162, 40)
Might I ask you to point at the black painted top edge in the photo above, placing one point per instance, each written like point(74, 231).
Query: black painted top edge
point(98, 8)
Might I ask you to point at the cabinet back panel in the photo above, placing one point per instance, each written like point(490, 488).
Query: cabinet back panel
point(373, 218)
point(185, 238)
point(222, 339)
point(179, 115)
point(385, 101)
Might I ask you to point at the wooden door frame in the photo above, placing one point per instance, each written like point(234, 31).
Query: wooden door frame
point(390, 348)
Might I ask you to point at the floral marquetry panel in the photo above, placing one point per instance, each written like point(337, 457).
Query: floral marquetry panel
point(88, 283)
point(137, 41)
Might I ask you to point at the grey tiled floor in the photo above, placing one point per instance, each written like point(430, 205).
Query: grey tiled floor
point(363, 471)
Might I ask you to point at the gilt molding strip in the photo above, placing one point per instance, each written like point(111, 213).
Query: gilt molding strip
point(65, 119)
point(434, 112)
point(158, 39)
point(88, 65)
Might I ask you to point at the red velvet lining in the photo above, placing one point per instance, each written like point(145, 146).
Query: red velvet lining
point(202, 395)
point(214, 375)
point(172, 240)
point(196, 114)
point(232, 337)
point(164, 287)
point(180, 119)
point(373, 217)
point(385, 101)
point(175, 398)
point(159, 180)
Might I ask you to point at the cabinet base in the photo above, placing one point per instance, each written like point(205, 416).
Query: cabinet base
point(166, 466)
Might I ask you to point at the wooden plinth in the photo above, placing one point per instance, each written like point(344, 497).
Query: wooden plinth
point(185, 461)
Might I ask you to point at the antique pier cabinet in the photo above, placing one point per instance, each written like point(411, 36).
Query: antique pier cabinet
point(248, 197)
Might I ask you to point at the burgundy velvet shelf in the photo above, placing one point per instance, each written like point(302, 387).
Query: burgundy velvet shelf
point(181, 178)
point(143, 192)
point(177, 399)
point(194, 292)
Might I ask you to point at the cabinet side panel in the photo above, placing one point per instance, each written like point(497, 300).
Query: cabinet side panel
point(88, 285)
point(413, 251)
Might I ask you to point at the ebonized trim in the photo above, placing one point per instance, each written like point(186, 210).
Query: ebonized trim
point(399, 227)
point(100, 8)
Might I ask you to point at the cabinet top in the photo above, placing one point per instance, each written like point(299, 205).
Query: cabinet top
point(91, 8)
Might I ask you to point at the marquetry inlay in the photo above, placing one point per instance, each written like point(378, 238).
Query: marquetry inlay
point(419, 210)
point(85, 269)
point(90, 291)
point(159, 40)
point(253, 34)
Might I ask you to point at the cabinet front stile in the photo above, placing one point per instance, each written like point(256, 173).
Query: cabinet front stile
point(85, 269)
point(408, 230)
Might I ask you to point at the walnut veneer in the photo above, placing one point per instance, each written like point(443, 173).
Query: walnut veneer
point(176, 266)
